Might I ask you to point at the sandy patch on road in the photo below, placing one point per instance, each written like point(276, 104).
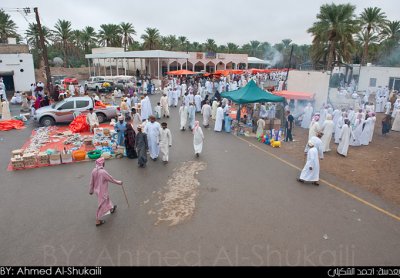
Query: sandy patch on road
point(177, 201)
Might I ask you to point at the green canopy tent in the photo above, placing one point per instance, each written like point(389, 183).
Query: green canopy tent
point(250, 93)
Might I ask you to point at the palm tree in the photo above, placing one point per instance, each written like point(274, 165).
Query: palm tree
point(172, 43)
point(8, 28)
point(32, 37)
point(222, 49)
point(127, 31)
point(210, 45)
point(373, 41)
point(232, 47)
point(391, 37)
point(88, 38)
point(151, 38)
point(63, 34)
point(254, 48)
point(333, 32)
point(183, 43)
point(372, 21)
point(77, 37)
point(110, 35)
point(196, 46)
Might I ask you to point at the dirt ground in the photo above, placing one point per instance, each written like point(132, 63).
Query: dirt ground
point(375, 167)
point(79, 73)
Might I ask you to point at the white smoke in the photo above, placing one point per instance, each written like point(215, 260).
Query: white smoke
point(273, 56)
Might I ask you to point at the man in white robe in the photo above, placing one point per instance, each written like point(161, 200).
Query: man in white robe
point(92, 120)
point(206, 112)
point(373, 121)
point(198, 138)
point(197, 101)
point(318, 144)
point(219, 118)
point(388, 106)
point(152, 129)
point(183, 113)
point(314, 127)
point(164, 106)
point(175, 98)
point(338, 128)
point(327, 129)
point(214, 109)
point(165, 142)
point(308, 110)
point(146, 109)
point(367, 129)
point(5, 110)
point(344, 139)
point(310, 171)
point(136, 120)
point(260, 127)
point(191, 115)
point(170, 97)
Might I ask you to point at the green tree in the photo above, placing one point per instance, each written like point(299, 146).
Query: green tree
point(333, 33)
point(183, 43)
point(8, 28)
point(32, 37)
point(110, 35)
point(232, 47)
point(127, 30)
point(63, 35)
point(151, 38)
point(372, 22)
point(210, 45)
point(254, 48)
point(195, 46)
point(89, 38)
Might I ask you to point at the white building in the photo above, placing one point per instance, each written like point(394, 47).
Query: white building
point(313, 82)
point(373, 77)
point(16, 67)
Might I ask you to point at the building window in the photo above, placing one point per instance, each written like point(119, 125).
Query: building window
point(372, 82)
point(21, 61)
point(21, 70)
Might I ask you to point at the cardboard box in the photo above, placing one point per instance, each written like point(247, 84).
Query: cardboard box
point(17, 163)
point(43, 158)
point(66, 158)
point(29, 159)
point(17, 152)
point(55, 158)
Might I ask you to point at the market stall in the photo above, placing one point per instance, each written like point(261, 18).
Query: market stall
point(249, 94)
point(55, 145)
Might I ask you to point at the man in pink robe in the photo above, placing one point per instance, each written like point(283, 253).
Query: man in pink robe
point(99, 185)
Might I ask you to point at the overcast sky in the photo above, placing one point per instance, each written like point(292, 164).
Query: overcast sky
point(237, 21)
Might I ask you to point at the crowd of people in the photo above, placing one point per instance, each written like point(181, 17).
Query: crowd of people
point(352, 126)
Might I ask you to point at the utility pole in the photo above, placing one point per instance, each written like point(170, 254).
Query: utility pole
point(44, 51)
point(290, 62)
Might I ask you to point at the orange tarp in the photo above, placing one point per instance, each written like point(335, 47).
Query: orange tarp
point(180, 72)
point(294, 95)
point(227, 72)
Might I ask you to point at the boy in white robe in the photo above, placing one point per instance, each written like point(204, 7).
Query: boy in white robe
point(165, 142)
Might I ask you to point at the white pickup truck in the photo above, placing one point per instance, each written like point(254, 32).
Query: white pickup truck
point(96, 83)
point(65, 111)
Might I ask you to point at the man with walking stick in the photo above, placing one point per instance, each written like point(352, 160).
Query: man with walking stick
point(99, 185)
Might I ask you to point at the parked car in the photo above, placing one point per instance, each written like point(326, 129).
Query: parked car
point(97, 83)
point(64, 111)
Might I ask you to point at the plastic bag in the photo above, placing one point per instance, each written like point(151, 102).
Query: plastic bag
point(79, 124)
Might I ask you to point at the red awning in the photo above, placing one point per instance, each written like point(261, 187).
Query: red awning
point(294, 95)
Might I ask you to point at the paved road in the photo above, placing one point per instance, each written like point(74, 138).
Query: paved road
point(249, 210)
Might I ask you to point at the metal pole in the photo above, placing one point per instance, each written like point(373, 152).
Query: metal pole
point(44, 50)
point(158, 73)
point(290, 61)
point(117, 67)
point(104, 66)
point(90, 73)
point(110, 67)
